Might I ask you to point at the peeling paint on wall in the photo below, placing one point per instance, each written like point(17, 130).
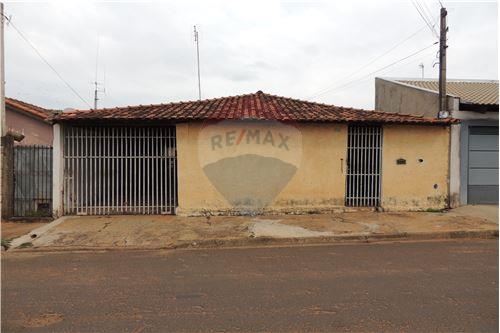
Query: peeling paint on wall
point(318, 183)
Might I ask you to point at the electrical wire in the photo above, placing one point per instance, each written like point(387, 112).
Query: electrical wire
point(378, 70)
point(428, 11)
point(425, 11)
point(425, 17)
point(368, 63)
point(45, 61)
point(383, 73)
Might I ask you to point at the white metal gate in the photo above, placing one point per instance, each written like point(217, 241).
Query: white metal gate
point(364, 166)
point(120, 170)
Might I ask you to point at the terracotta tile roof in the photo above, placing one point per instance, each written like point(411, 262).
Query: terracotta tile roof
point(469, 91)
point(257, 106)
point(33, 110)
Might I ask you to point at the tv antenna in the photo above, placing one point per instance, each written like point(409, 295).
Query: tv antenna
point(96, 83)
point(421, 65)
point(196, 39)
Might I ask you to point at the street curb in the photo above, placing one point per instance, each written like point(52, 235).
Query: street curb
point(269, 241)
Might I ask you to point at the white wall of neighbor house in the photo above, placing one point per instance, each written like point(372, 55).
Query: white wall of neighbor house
point(58, 171)
point(454, 166)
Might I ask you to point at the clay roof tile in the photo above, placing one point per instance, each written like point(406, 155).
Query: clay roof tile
point(250, 106)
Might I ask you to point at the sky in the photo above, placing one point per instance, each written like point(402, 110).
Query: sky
point(325, 51)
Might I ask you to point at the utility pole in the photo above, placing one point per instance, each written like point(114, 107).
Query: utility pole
point(421, 65)
point(196, 39)
point(3, 123)
point(443, 107)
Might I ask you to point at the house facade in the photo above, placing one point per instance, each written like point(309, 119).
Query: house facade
point(29, 120)
point(27, 161)
point(248, 154)
point(474, 141)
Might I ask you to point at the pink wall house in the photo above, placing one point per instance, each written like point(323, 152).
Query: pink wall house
point(29, 120)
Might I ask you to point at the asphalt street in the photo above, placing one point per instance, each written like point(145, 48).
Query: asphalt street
point(447, 286)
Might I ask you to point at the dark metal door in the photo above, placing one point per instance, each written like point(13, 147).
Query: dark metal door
point(364, 166)
point(32, 181)
point(482, 173)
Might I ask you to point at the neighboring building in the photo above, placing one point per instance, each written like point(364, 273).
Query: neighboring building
point(246, 154)
point(29, 120)
point(474, 142)
point(27, 177)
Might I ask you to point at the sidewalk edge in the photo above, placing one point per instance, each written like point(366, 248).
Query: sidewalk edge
point(269, 241)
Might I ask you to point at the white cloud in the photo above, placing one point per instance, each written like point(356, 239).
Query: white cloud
point(294, 49)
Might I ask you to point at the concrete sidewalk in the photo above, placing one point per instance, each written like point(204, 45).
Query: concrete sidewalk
point(10, 230)
point(156, 232)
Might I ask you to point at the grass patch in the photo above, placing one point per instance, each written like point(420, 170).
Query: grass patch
point(6, 243)
point(25, 245)
point(434, 210)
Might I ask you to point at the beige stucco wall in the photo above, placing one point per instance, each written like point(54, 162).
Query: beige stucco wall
point(415, 185)
point(319, 182)
point(317, 185)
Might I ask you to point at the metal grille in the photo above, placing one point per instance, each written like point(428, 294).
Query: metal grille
point(120, 170)
point(32, 181)
point(364, 165)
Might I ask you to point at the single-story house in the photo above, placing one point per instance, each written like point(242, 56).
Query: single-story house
point(29, 120)
point(27, 160)
point(247, 154)
point(474, 140)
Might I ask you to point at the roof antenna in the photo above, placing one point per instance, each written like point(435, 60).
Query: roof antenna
point(96, 84)
point(421, 65)
point(196, 39)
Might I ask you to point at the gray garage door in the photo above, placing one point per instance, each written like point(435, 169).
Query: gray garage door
point(483, 165)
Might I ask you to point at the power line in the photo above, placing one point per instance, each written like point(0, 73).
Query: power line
point(425, 10)
point(46, 62)
point(429, 12)
point(363, 79)
point(378, 70)
point(423, 14)
point(369, 63)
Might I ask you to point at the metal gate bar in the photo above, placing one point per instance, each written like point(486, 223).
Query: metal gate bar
point(364, 166)
point(120, 170)
point(32, 181)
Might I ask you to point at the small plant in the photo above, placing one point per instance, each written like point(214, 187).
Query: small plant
point(6, 243)
point(25, 245)
point(434, 210)
point(38, 213)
